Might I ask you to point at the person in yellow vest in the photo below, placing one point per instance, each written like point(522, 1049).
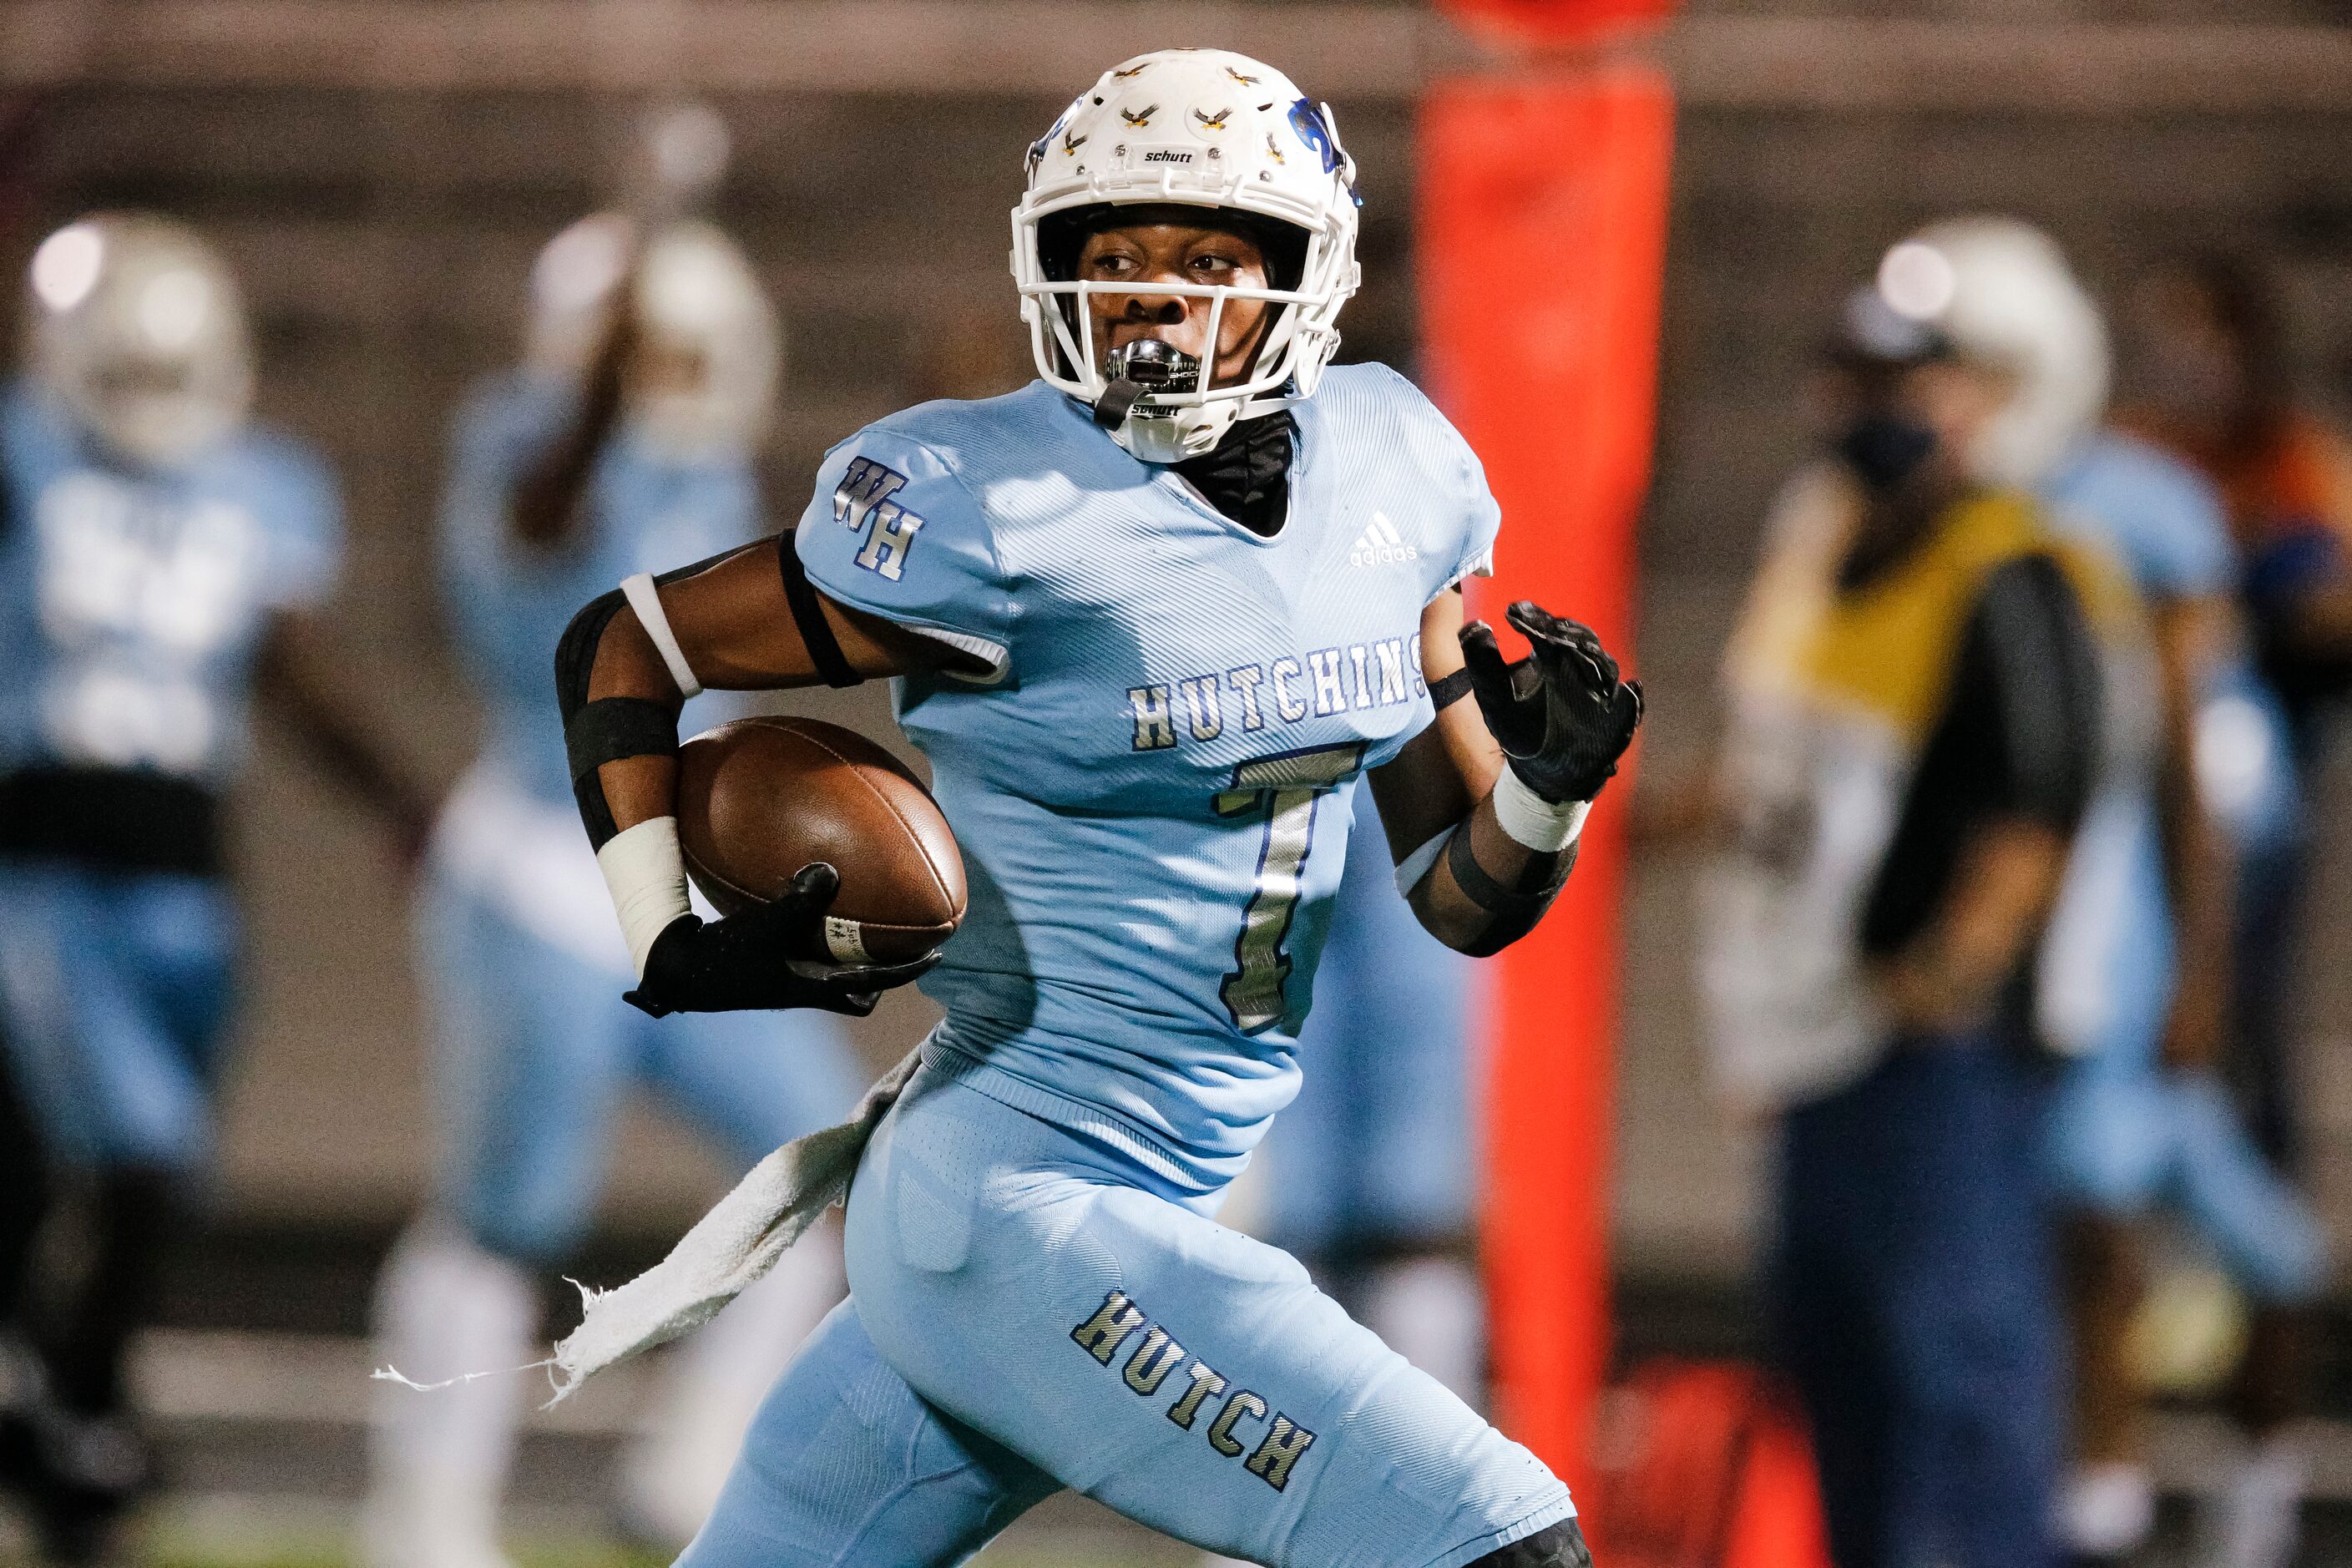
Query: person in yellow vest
point(1916, 699)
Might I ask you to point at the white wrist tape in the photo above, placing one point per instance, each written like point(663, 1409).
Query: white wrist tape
point(1531, 820)
point(645, 600)
point(644, 871)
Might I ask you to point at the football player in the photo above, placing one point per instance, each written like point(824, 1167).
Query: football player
point(160, 557)
point(1373, 1176)
point(624, 441)
point(2213, 356)
point(1130, 628)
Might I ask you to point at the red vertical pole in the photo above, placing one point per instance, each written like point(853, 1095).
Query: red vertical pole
point(1542, 218)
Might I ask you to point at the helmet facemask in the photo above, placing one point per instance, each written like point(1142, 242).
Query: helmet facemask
point(1203, 137)
point(1161, 400)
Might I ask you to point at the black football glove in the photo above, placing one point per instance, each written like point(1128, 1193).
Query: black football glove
point(1562, 715)
point(761, 958)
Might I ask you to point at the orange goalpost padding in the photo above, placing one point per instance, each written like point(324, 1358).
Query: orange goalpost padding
point(1542, 215)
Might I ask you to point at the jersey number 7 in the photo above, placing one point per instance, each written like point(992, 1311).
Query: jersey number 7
point(1283, 789)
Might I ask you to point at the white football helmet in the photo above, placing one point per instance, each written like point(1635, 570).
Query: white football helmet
point(1204, 128)
point(2002, 295)
point(136, 324)
point(704, 315)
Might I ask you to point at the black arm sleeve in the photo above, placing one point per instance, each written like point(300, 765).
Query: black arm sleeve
point(575, 658)
point(2019, 738)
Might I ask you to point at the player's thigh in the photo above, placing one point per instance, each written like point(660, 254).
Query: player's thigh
point(96, 1059)
point(846, 1467)
point(1186, 1375)
point(753, 1080)
point(527, 1066)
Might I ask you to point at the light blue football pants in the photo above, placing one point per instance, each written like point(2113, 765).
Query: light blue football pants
point(1029, 1310)
point(113, 990)
point(533, 1050)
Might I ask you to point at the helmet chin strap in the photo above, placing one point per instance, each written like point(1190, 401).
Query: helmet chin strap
point(1140, 369)
point(1136, 370)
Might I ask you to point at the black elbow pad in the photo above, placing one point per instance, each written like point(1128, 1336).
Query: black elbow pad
point(1512, 912)
point(607, 728)
point(575, 651)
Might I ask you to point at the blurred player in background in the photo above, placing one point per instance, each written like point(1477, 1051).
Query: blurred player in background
point(2213, 383)
point(1372, 1179)
point(161, 559)
point(1915, 700)
point(2135, 975)
point(624, 442)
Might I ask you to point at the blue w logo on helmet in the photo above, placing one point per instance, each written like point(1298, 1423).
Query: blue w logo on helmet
point(1315, 131)
point(1307, 120)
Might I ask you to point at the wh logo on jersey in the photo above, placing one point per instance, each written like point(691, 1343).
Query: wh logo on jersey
point(1382, 545)
point(863, 499)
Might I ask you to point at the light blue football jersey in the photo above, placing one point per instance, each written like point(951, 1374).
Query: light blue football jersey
point(132, 601)
point(1152, 795)
point(2161, 518)
point(510, 602)
point(2108, 968)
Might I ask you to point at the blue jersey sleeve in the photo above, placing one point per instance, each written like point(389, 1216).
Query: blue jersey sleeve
point(893, 530)
point(302, 511)
point(2160, 516)
point(1482, 517)
point(1453, 470)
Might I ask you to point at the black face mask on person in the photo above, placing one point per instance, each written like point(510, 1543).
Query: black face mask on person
point(1883, 447)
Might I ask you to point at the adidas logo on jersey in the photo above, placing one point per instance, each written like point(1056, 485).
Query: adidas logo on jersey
point(1381, 545)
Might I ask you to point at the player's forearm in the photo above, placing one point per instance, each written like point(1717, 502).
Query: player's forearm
point(1951, 973)
point(730, 625)
point(1485, 889)
point(547, 496)
point(2196, 849)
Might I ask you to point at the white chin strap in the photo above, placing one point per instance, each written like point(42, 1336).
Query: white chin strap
point(1171, 437)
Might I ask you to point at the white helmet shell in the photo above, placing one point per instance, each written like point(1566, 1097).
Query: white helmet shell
point(1204, 128)
point(2002, 293)
point(136, 324)
point(700, 304)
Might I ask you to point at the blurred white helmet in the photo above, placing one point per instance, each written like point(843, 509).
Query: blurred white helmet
point(1203, 128)
point(709, 356)
point(136, 324)
point(2002, 295)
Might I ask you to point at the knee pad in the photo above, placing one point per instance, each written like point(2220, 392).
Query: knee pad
point(1557, 1546)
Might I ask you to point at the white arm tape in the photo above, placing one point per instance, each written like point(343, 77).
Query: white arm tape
point(645, 600)
point(1531, 820)
point(644, 871)
point(1415, 866)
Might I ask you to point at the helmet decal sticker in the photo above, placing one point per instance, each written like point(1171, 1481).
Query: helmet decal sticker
point(1132, 70)
point(1274, 149)
point(1308, 123)
point(1212, 122)
point(1140, 118)
point(1072, 144)
point(1245, 81)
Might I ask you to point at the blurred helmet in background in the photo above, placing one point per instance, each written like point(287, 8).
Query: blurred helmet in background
point(703, 381)
point(137, 325)
point(1201, 128)
point(2000, 295)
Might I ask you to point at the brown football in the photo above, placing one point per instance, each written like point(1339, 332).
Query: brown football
point(760, 798)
